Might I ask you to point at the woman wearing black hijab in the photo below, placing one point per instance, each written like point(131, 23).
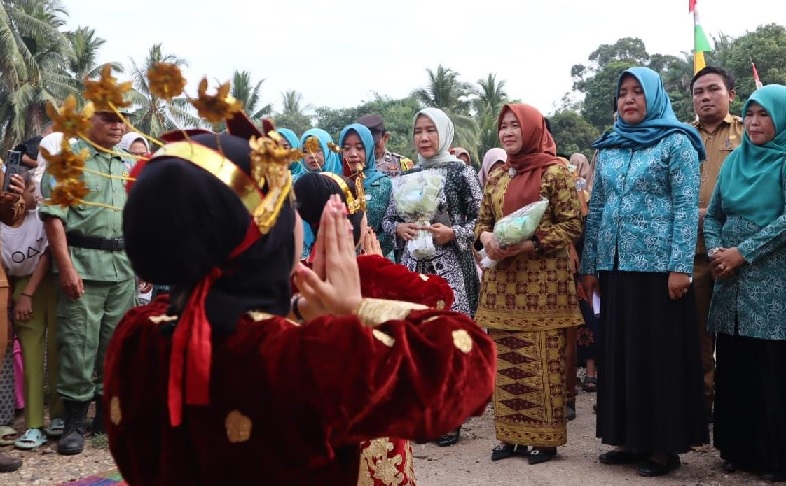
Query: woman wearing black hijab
point(216, 386)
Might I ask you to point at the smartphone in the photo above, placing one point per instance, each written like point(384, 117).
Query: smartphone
point(13, 165)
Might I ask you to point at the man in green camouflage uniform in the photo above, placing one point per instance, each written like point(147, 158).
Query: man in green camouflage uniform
point(388, 162)
point(97, 284)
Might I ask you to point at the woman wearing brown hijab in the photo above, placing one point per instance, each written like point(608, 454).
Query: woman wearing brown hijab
point(529, 299)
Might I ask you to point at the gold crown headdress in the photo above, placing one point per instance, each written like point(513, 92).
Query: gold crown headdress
point(263, 192)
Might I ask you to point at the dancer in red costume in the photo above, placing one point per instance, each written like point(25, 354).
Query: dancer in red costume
point(384, 461)
point(215, 386)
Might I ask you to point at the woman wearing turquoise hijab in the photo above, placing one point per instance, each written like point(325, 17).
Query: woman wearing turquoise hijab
point(640, 240)
point(357, 150)
point(296, 168)
point(745, 233)
point(324, 159)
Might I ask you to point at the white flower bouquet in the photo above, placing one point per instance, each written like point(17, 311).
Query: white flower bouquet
point(417, 197)
point(516, 228)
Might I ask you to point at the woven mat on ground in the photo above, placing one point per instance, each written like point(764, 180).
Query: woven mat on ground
point(111, 477)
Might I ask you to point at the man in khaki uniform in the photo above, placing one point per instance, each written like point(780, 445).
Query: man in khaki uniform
point(713, 91)
point(97, 284)
point(388, 162)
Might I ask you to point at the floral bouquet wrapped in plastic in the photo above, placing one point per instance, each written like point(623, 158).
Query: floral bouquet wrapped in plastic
point(516, 228)
point(417, 197)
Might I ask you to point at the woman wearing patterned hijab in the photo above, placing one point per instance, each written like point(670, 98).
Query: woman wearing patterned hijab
point(745, 232)
point(638, 254)
point(528, 301)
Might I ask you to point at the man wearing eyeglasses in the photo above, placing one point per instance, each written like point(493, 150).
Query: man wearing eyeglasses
point(97, 284)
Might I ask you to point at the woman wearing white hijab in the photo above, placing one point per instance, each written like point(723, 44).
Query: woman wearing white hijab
point(134, 144)
point(454, 224)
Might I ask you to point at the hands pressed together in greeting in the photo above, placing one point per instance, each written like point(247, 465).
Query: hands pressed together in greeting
point(333, 285)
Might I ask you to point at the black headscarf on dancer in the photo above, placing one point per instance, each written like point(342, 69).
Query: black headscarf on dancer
point(187, 228)
point(313, 190)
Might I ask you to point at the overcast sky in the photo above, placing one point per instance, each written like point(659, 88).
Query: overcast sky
point(338, 53)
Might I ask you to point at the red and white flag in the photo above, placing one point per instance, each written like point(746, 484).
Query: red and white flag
point(756, 76)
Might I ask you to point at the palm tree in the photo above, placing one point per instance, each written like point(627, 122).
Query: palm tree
point(153, 115)
point(33, 57)
point(244, 90)
point(444, 91)
point(85, 45)
point(490, 95)
point(292, 113)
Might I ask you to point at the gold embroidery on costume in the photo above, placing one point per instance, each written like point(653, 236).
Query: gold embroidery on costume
point(373, 312)
point(462, 341)
point(259, 316)
point(238, 427)
point(162, 318)
point(263, 316)
point(384, 338)
point(114, 410)
point(440, 305)
point(375, 464)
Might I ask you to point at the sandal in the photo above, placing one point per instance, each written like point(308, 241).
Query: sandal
point(590, 384)
point(32, 439)
point(7, 435)
point(56, 427)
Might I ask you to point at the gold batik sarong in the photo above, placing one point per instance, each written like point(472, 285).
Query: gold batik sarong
point(529, 396)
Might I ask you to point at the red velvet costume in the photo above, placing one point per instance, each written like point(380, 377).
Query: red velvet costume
point(220, 395)
point(388, 461)
point(290, 405)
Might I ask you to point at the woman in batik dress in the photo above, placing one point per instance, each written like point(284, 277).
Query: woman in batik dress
point(528, 301)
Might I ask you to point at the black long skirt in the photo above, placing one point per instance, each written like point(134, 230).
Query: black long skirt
point(650, 383)
point(750, 403)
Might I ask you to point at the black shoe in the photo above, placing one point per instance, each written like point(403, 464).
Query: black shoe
point(570, 412)
point(651, 469)
point(539, 455)
point(448, 440)
point(729, 467)
point(97, 427)
point(774, 477)
point(9, 463)
point(504, 451)
point(73, 439)
point(616, 457)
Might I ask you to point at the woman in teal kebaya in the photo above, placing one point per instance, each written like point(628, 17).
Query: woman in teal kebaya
point(640, 241)
point(745, 233)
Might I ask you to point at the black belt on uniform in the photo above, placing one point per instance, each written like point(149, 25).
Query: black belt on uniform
point(95, 243)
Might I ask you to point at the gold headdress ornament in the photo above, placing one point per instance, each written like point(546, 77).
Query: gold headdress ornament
point(263, 192)
point(353, 205)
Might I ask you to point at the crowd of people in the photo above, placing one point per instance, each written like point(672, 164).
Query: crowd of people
point(660, 253)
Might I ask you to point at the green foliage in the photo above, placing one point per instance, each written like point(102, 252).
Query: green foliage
point(398, 115)
point(572, 132)
point(40, 61)
point(292, 113)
